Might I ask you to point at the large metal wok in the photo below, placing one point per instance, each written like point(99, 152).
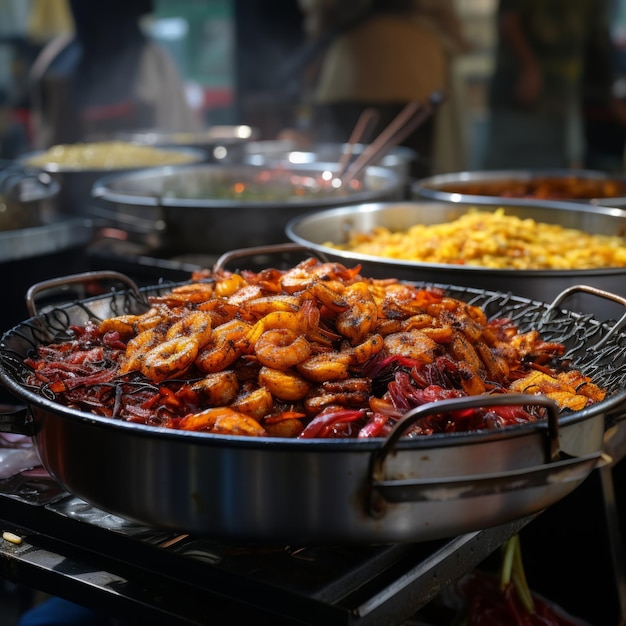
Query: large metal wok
point(526, 187)
point(211, 208)
point(311, 491)
point(316, 230)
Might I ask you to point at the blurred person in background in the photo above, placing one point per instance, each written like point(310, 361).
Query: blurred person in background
point(536, 91)
point(106, 77)
point(381, 54)
point(604, 95)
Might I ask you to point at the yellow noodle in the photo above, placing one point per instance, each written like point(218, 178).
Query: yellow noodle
point(494, 240)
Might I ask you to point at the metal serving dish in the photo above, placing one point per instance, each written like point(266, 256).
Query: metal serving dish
point(215, 208)
point(524, 187)
point(316, 230)
point(318, 490)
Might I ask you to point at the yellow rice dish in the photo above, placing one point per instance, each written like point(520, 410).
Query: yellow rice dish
point(107, 155)
point(494, 240)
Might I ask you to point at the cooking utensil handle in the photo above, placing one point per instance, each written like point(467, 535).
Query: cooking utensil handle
point(240, 253)
point(379, 456)
point(17, 422)
point(440, 489)
point(594, 291)
point(77, 279)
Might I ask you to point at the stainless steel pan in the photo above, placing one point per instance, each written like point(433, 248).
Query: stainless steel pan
point(283, 490)
point(316, 230)
point(532, 187)
point(212, 208)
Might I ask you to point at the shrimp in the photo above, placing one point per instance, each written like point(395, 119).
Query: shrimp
point(217, 388)
point(310, 270)
point(137, 348)
point(169, 359)
point(263, 305)
point(412, 344)
point(131, 324)
point(196, 324)
point(418, 321)
point(360, 319)
point(284, 385)
point(223, 421)
point(332, 365)
point(352, 392)
point(228, 285)
point(282, 348)
point(224, 346)
point(366, 350)
point(184, 295)
point(257, 403)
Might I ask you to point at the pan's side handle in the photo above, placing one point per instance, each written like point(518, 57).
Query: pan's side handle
point(241, 253)
point(594, 291)
point(77, 279)
point(16, 422)
point(379, 456)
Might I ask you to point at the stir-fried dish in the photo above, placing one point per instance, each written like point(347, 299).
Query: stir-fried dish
point(314, 351)
point(492, 239)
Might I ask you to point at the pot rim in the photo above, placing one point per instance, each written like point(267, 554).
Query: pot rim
point(102, 188)
point(297, 223)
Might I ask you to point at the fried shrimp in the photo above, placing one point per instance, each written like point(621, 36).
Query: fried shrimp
point(365, 351)
point(413, 344)
point(281, 348)
point(169, 359)
point(131, 324)
point(223, 421)
point(224, 346)
point(257, 402)
point(184, 295)
point(360, 319)
point(284, 385)
point(138, 347)
point(217, 388)
point(332, 365)
point(195, 324)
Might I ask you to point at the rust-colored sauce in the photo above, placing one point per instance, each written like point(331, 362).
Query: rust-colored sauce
point(566, 188)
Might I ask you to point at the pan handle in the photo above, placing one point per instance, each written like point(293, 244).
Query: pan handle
point(377, 460)
point(277, 248)
point(77, 279)
point(574, 469)
point(601, 293)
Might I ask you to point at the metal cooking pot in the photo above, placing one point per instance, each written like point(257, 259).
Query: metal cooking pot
point(212, 208)
point(524, 187)
point(316, 230)
point(28, 197)
point(318, 490)
point(75, 184)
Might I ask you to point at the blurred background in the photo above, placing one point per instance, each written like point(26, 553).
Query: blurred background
point(227, 52)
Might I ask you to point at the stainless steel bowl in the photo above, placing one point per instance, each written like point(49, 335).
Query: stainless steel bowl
point(316, 230)
point(524, 187)
point(215, 208)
